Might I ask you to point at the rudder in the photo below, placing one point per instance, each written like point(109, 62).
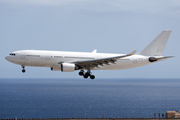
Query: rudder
point(157, 46)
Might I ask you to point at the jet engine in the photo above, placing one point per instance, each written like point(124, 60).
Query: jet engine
point(68, 67)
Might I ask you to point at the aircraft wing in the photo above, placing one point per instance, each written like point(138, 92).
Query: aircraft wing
point(103, 61)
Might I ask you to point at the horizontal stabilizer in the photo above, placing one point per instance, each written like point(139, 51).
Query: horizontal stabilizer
point(154, 59)
point(164, 58)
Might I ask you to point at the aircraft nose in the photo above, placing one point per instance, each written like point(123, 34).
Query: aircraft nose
point(7, 58)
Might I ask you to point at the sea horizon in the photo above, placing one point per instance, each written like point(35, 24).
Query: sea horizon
point(86, 98)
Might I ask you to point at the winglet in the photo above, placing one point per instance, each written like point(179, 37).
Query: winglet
point(94, 51)
point(132, 53)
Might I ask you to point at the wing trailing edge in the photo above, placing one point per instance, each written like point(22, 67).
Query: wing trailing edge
point(103, 61)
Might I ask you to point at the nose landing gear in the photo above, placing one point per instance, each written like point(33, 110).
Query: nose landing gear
point(23, 70)
point(87, 74)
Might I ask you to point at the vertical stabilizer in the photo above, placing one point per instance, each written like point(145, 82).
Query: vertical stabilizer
point(156, 47)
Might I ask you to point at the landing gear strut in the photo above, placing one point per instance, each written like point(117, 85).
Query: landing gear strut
point(87, 74)
point(23, 70)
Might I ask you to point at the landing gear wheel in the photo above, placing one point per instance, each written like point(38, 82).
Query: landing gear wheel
point(92, 76)
point(85, 76)
point(81, 73)
point(23, 70)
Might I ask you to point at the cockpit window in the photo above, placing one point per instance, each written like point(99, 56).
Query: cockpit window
point(13, 54)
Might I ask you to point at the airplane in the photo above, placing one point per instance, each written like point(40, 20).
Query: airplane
point(70, 61)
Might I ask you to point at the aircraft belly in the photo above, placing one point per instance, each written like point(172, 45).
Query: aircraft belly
point(41, 62)
point(35, 62)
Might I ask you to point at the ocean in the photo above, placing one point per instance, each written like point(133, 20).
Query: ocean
point(85, 98)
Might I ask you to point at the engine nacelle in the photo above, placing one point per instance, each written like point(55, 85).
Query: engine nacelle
point(55, 69)
point(68, 67)
point(152, 59)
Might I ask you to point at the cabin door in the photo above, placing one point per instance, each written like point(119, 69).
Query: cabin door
point(135, 60)
point(47, 56)
point(22, 55)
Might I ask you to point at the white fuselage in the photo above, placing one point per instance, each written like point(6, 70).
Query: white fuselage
point(54, 59)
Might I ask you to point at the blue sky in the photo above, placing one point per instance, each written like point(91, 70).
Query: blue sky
point(110, 26)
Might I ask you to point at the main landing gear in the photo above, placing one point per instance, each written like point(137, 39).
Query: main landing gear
point(23, 70)
point(87, 74)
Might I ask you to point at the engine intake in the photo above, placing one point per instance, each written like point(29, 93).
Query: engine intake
point(152, 59)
